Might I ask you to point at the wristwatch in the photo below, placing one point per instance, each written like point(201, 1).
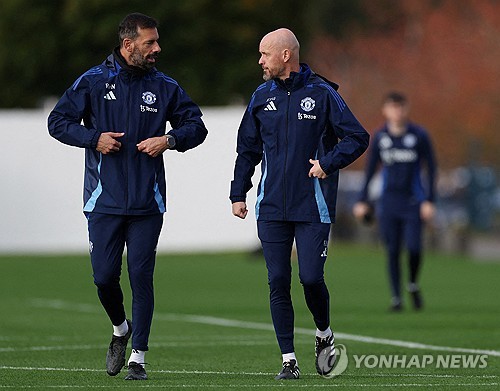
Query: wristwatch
point(170, 141)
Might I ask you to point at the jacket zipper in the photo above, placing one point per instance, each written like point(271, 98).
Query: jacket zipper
point(126, 149)
point(286, 156)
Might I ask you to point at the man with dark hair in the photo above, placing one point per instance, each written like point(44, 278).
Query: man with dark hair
point(403, 149)
point(129, 26)
point(302, 131)
point(124, 104)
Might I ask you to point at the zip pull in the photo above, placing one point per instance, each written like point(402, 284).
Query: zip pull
point(289, 93)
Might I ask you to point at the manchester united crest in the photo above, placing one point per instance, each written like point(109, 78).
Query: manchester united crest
point(307, 104)
point(149, 98)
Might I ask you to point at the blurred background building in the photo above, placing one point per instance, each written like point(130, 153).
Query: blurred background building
point(444, 54)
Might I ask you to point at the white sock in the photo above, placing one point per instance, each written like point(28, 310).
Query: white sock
point(290, 356)
point(324, 334)
point(137, 356)
point(120, 330)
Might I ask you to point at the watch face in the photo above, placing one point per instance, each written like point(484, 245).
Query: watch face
point(171, 141)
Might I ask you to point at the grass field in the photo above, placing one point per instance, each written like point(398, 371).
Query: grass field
point(212, 325)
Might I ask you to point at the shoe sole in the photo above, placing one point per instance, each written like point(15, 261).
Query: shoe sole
point(135, 378)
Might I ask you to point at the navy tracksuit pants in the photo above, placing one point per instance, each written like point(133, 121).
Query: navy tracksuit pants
point(400, 223)
point(108, 235)
point(312, 244)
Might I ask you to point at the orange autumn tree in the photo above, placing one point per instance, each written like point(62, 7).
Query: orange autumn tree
point(445, 55)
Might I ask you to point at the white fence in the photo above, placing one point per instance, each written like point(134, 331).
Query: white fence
point(41, 189)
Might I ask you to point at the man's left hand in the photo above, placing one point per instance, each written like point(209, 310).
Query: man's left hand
point(316, 171)
point(153, 146)
point(427, 211)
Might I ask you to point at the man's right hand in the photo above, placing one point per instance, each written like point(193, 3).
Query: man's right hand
point(107, 142)
point(360, 210)
point(240, 209)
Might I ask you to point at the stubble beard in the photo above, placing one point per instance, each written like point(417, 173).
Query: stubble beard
point(142, 62)
point(270, 74)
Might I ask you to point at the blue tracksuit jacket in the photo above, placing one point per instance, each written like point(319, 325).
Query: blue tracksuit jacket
point(402, 159)
point(114, 97)
point(286, 124)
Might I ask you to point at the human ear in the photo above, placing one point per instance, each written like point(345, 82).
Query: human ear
point(286, 55)
point(127, 44)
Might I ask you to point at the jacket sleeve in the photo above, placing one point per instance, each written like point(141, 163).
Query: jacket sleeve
point(64, 122)
point(249, 151)
point(371, 167)
point(188, 130)
point(353, 137)
point(428, 156)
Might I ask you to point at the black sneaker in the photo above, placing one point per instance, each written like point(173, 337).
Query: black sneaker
point(396, 305)
point(115, 358)
point(417, 299)
point(136, 372)
point(290, 371)
point(322, 344)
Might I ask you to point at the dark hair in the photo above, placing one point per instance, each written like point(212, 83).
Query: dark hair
point(395, 97)
point(129, 25)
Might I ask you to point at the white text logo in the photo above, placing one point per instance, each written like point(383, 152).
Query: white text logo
point(270, 107)
point(147, 108)
point(395, 155)
point(449, 361)
point(110, 96)
point(324, 254)
point(301, 116)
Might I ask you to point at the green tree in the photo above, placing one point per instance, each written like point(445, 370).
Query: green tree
point(210, 47)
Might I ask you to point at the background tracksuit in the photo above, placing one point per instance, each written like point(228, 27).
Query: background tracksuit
point(286, 124)
point(403, 159)
point(125, 191)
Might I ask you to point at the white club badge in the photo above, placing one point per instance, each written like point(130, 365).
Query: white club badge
point(385, 142)
point(410, 140)
point(307, 104)
point(149, 98)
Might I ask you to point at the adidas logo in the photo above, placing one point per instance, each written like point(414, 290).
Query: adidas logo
point(270, 107)
point(110, 96)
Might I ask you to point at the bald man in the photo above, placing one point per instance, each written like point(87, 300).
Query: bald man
point(303, 133)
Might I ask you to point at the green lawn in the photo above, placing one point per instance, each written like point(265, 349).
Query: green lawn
point(212, 324)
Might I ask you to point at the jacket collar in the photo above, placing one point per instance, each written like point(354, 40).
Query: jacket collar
point(296, 80)
point(116, 61)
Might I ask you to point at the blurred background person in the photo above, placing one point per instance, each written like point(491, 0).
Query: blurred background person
point(403, 150)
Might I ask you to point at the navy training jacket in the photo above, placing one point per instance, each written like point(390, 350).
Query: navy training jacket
point(114, 97)
point(403, 159)
point(286, 124)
